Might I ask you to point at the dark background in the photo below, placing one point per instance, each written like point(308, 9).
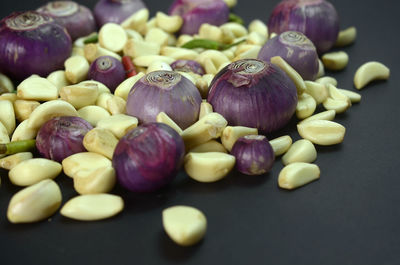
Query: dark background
point(350, 216)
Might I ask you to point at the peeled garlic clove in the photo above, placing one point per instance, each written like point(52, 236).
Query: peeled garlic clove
point(232, 133)
point(322, 132)
point(328, 115)
point(92, 207)
point(281, 144)
point(209, 166)
point(185, 225)
point(306, 106)
point(335, 60)
point(35, 203)
point(369, 72)
point(353, 96)
point(209, 127)
point(85, 161)
point(297, 174)
point(34, 170)
point(210, 146)
point(300, 151)
point(11, 161)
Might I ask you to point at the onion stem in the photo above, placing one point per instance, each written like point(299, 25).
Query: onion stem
point(17, 147)
point(209, 44)
point(235, 18)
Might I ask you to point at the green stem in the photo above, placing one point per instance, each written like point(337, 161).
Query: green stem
point(235, 18)
point(209, 44)
point(91, 39)
point(17, 147)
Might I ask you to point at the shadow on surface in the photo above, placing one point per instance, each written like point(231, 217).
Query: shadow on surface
point(173, 252)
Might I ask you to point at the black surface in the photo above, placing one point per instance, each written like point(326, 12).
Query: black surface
point(350, 216)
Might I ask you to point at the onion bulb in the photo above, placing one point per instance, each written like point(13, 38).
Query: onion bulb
point(255, 94)
point(296, 49)
point(317, 19)
point(61, 137)
point(148, 157)
point(32, 43)
point(188, 66)
point(115, 11)
point(197, 12)
point(108, 71)
point(77, 19)
point(166, 91)
point(254, 154)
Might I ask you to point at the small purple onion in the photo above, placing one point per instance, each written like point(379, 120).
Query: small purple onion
point(166, 91)
point(148, 157)
point(296, 49)
point(253, 93)
point(108, 71)
point(77, 19)
point(197, 12)
point(317, 19)
point(188, 66)
point(32, 43)
point(115, 11)
point(61, 137)
point(254, 154)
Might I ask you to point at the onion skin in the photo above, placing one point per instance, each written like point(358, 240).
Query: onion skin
point(188, 66)
point(77, 19)
point(197, 12)
point(255, 94)
point(317, 19)
point(115, 11)
point(148, 157)
point(32, 43)
point(254, 155)
point(166, 91)
point(108, 71)
point(61, 137)
point(296, 49)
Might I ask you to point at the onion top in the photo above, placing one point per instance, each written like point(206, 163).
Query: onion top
point(77, 19)
point(255, 94)
point(27, 40)
point(166, 91)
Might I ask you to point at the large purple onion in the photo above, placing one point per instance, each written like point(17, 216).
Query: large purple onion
point(166, 91)
point(108, 71)
point(32, 43)
point(296, 49)
point(317, 19)
point(61, 137)
point(115, 11)
point(197, 12)
point(77, 19)
point(255, 94)
point(188, 66)
point(254, 154)
point(148, 157)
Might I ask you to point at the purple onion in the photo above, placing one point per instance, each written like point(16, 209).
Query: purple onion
point(253, 93)
point(148, 157)
point(115, 11)
point(296, 49)
point(254, 155)
point(108, 71)
point(197, 12)
point(166, 91)
point(32, 43)
point(188, 66)
point(77, 19)
point(317, 19)
point(61, 137)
